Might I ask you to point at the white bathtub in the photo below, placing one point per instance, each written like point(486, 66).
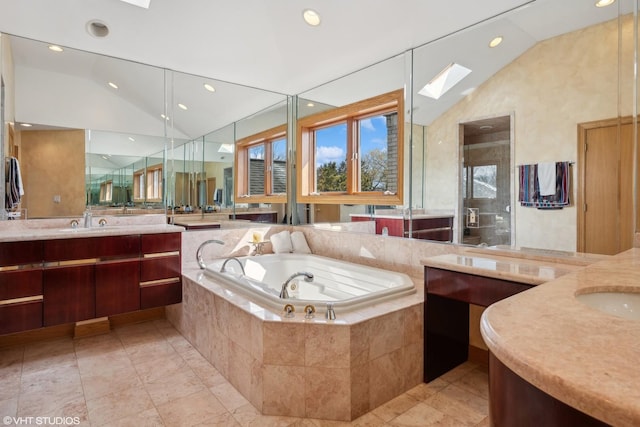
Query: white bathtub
point(348, 286)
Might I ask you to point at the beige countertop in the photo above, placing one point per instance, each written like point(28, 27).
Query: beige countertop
point(400, 216)
point(577, 354)
point(65, 232)
point(532, 272)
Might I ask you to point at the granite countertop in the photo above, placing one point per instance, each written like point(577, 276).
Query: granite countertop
point(577, 354)
point(532, 272)
point(65, 232)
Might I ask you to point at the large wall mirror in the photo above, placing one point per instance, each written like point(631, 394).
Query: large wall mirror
point(562, 75)
point(120, 137)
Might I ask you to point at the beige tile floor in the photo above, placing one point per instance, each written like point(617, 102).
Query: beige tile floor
point(149, 375)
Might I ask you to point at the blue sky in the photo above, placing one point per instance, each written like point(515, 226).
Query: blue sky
point(331, 142)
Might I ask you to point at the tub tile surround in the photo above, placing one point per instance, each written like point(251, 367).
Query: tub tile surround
point(275, 362)
point(303, 368)
point(577, 354)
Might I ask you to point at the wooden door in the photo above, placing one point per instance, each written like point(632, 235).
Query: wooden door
point(605, 202)
point(327, 213)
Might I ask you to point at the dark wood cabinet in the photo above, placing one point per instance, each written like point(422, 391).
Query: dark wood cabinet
point(437, 228)
point(52, 282)
point(264, 217)
point(516, 402)
point(446, 315)
point(69, 294)
point(160, 270)
point(117, 287)
point(20, 286)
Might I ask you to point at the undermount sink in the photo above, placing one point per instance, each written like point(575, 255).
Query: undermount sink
point(620, 304)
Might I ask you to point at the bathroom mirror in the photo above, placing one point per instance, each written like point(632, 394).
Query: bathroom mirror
point(537, 78)
point(122, 112)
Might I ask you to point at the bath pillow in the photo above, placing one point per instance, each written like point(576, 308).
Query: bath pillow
point(281, 242)
point(299, 243)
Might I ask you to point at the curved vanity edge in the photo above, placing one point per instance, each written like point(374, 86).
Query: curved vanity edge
point(576, 354)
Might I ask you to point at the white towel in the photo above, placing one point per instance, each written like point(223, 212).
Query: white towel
point(547, 178)
point(281, 242)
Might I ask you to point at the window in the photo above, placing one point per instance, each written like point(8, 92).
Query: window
point(106, 191)
point(484, 183)
point(353, 154)
point(148, 187)
point(261, 165)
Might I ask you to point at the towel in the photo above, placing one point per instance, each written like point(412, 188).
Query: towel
point(529, 194)
point(547, 178)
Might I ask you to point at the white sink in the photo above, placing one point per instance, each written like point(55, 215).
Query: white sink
point(620, 304)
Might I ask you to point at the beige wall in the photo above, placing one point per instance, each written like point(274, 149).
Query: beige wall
point(59, 158)
point(558, 83)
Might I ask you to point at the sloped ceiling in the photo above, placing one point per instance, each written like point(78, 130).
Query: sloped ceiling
point(255, 53)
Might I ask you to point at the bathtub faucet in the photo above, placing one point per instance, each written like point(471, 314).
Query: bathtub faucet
point(199, 251)
point(284, 292)
point(224, 265)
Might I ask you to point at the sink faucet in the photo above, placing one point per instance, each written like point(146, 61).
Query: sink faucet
point(199, 251)
point(284, 292)
point(224, 264)
point(87, 219)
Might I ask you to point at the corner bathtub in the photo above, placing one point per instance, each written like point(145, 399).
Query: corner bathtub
point(347, 285)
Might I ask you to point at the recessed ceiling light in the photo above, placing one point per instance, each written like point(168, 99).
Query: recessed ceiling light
point(55, 48)
point(97, 28)
point(310, 104)
point(210, 88)
point(113, 85)
point(27, 125)
point(445, 80)
point(603, 3)
point(132, 139)
point(495, 41)
point(311, 17)
point(184, 107)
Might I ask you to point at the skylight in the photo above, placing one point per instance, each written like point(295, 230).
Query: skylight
point(445, 80)
point(139, 3)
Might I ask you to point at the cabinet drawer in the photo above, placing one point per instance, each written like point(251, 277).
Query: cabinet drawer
point(92, 247)
point(20, 317)
point(20, 253)
point(162, 294)
point(160, 268)
point(479, 290)
point(20, 283)
point(162, 242)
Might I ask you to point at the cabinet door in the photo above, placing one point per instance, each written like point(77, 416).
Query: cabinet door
point(69, 294)
point(117, 287)
point(20, 300)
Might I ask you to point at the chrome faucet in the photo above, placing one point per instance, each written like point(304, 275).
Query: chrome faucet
point(87, 219)
point(284, 292)
point(224, 264)
point(199, 251)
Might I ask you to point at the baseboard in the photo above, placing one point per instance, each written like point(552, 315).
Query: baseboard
point(81, 329)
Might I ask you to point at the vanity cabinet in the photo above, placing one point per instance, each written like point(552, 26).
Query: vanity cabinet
point(446, 315)
point(57, 281)
point(89, 277)
point(160, 270)
point(20, 286)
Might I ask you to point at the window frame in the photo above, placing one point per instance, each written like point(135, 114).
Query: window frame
point(241, 166)
point(305, 158)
